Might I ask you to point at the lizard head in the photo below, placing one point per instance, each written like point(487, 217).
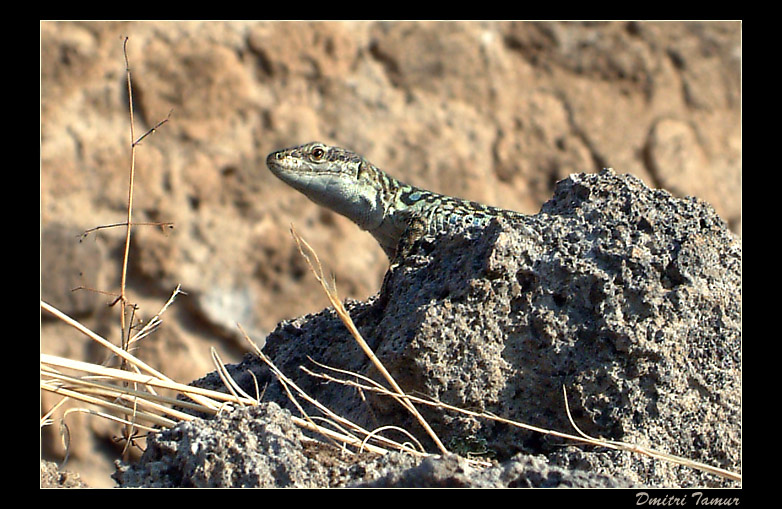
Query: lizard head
point(333, 177)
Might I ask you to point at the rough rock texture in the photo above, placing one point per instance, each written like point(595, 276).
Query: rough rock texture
point(53, 477)
point(255, 447)
point(628, 297)
point(260, 448)
point(492, 111)
point(521, 471)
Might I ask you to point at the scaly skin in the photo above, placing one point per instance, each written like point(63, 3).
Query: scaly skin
point(395, 213)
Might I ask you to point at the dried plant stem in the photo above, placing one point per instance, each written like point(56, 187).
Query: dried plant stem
point(331, 292)
point(647, 451)
point(155, 321)
point(336, 419)
point(124, 329)
point(62, 384)
point(120, 375)
point(131, 179)
point(161, 224)
point(114, 407)
point(105, 387)
point(123, 354)
point(132, 175)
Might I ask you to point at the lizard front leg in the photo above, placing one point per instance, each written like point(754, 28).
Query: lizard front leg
point(415, 229)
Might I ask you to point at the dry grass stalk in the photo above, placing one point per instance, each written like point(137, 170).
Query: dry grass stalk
point(124, 355)
point(124, 272)
point(125, 306)
point(109, 389)
point(331, 293)
point(162, 225)
point(349, 428)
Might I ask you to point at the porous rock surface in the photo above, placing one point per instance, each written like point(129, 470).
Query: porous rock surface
point(259, 447)
point(53, 477)
point(625, 296)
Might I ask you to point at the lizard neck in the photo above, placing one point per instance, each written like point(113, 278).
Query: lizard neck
point(397, 208)
point(402, 202)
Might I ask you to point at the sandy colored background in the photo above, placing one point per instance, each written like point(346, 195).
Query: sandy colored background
point(492, 111)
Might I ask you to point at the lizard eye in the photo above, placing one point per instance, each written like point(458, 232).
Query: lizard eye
point(317, 153)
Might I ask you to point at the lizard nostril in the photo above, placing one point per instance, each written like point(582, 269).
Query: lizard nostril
point(273, 158)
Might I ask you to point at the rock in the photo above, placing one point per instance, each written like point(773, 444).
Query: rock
point(521, 471)
point(625, 296)
point(257, 447)
point(53, 477)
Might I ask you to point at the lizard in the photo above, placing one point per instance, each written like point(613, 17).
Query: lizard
point(395, 213)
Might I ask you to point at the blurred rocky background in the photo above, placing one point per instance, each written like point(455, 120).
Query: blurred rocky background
point(492, 111)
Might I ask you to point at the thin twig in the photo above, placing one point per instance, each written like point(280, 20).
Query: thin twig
point(208, 397)
point(122, 297)
point(409, 435)
point(154, 128)
point(161, 224)
point(155, 321)
point(226, 378)
point(90, 384)
point(161, 421)
point(612, 444)
point(125, 330)
point(95, 290)
point(132, 175)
